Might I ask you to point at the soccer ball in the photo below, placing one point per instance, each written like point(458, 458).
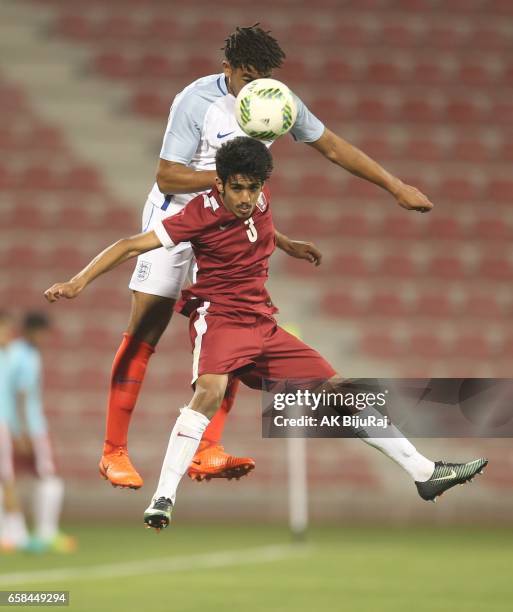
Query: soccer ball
point(265, 109)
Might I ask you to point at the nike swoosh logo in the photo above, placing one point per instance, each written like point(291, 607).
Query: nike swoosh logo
point(219, 135)
point(451, 475)
point(197, 462)
point(223, 227)
point(182, 435)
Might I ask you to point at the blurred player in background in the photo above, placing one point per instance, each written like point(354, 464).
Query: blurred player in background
point(13, 530)
point(29, 430)
point(232, 326)
point(201, 119)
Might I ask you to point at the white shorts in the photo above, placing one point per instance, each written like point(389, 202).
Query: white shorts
point(162, 272)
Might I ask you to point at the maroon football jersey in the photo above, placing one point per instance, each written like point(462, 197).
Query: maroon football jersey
point(232, 254)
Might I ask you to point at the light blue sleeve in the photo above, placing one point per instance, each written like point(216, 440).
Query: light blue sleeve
point(183, 132)
point(307, 128)
point(27, 380)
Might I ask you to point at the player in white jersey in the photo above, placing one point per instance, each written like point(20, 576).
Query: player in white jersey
point(201, 119)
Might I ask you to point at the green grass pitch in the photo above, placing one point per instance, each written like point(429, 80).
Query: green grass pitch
point(186, 569)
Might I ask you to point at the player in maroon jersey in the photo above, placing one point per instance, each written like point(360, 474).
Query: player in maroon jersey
point(232, 328)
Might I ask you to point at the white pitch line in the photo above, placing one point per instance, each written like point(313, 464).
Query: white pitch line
point(157, 566)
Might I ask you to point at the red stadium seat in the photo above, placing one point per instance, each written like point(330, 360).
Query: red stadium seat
point(495, 268)
point(210, 29)
point(77, 27)
point(436, 305)
point(385, 72)
point(151, 105)
point(472, 150)
point(120, 28)
point(502, 112)
point(372, 109)
point(114, 65)
point(430, 72)
point(459, 189)
point(355, 225)
point(350, 265)
point(381, 345)
point(424, 149)
point(419, 110)
point(447, 267)
point(399, 35)
point(397, 266)
point(400, 226)
point(157, 65)
point(23, 257)
point(426, 345)
point(445, 35)
point(295, 70)
point(163, 28)
point(475, 74)
point(327, 108)
point(489, 36)
point(337, 69)
point(39, 177)
point(464, 110)
point(500, 190)
point(494, 229)
point(352, 33)
point(83, 178)
point(387, 304)
point(445, 228)
point(378, 147)
point(483, 306)
point(316, 226)
point(66, 258)
point(470, 346)
point(342, 304)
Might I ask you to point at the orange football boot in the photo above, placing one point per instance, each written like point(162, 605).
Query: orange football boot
point(211, 461)
point(117, 468)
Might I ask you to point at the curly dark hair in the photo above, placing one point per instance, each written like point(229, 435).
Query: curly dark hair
point(245, 156)
point(253, 47)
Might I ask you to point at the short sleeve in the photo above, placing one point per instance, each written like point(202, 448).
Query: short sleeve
point(185, 225)
point(307, 128)
point(183, 131)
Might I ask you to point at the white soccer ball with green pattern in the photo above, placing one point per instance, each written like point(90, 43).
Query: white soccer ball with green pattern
point(265, 109)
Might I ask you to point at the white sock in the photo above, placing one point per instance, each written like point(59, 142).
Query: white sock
point(183, 443)
point(14, 529)
point(397, 447)
point(48, 497)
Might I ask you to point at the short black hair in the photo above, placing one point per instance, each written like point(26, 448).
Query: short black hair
point(35, 320)
point(245, 156)
point(253, 47)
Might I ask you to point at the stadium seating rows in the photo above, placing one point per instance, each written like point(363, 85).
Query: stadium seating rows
point(411, 91)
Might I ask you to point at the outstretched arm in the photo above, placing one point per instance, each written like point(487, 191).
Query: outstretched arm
point(344, 154)
point(112, 256)
point(298, 248)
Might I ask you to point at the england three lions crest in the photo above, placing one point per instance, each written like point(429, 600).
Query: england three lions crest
point(143, 270)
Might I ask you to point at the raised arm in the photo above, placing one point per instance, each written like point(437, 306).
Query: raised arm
point(173, 177)
point(112, 256)
point(344, 154)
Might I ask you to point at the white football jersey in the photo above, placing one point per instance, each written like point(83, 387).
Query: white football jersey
point(201, 119)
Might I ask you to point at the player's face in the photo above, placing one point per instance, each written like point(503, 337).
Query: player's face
point(240, 195)
point(238, 77)
point(38, 337)
point(6, 331)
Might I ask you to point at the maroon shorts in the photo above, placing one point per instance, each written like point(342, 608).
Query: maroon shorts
point(233, 343)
